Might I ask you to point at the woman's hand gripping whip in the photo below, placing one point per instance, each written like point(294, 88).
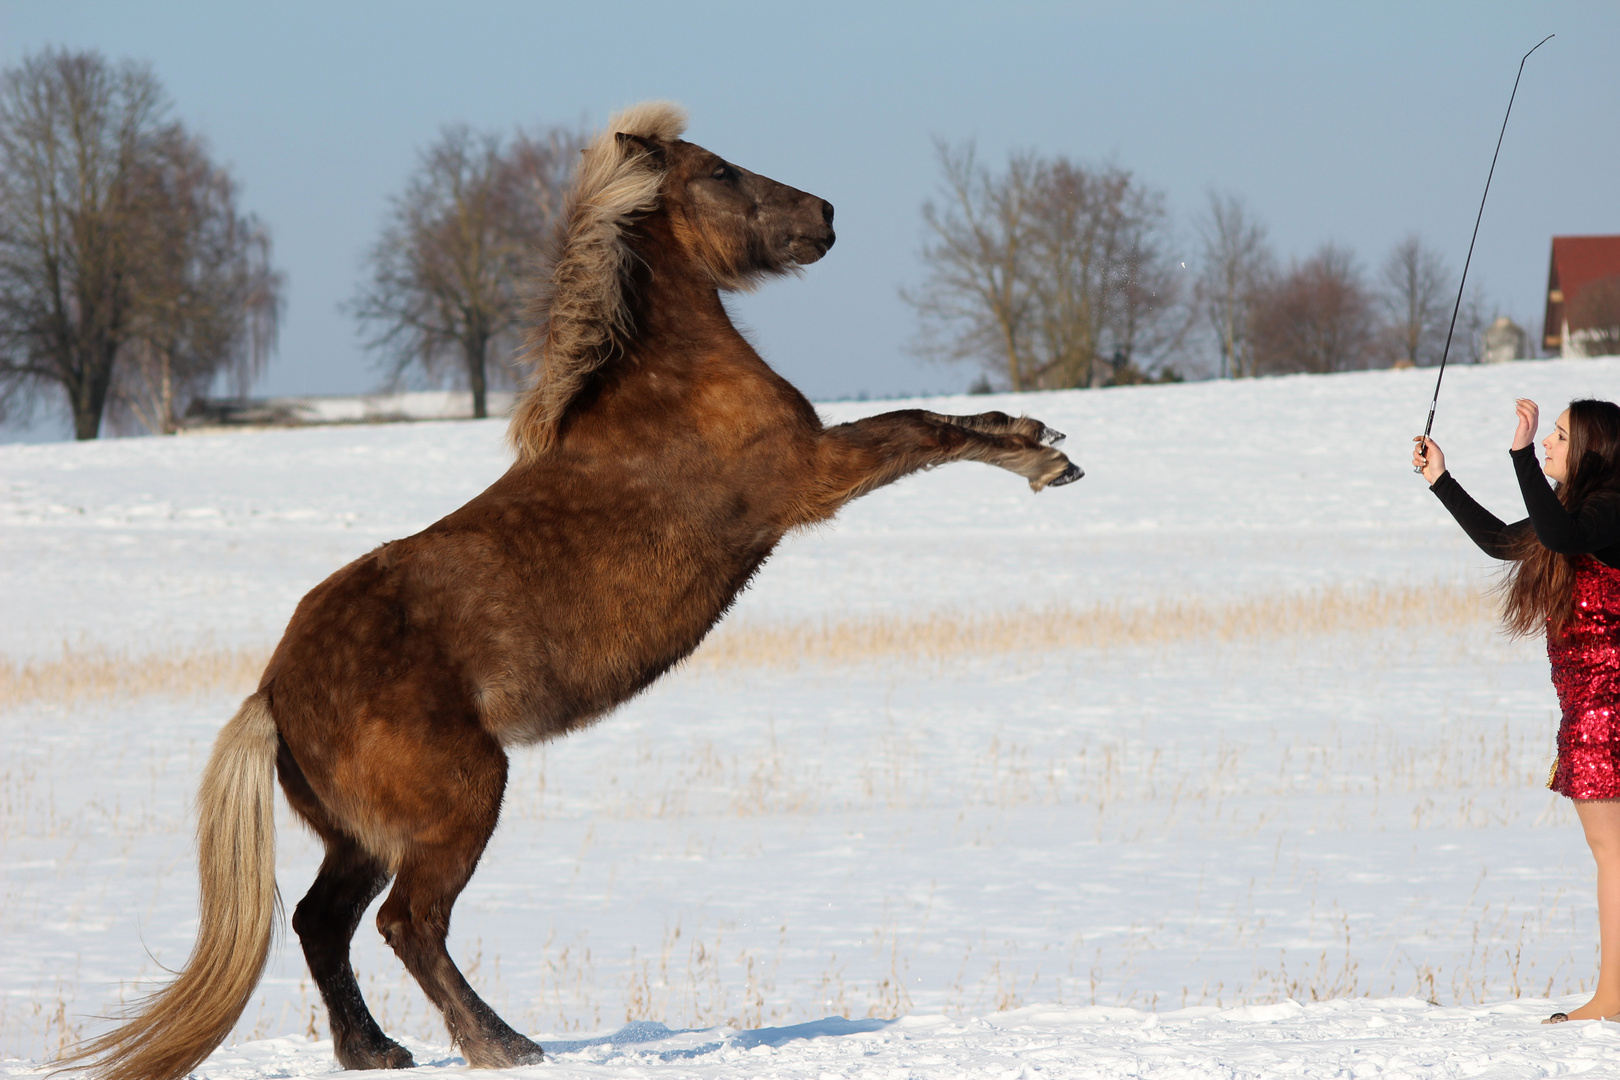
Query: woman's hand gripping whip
point(1423, 445)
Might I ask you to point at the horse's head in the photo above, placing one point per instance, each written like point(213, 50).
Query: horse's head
point(644, 198)
point(740, 226)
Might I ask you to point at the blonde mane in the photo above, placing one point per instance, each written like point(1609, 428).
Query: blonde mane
point(580, 316)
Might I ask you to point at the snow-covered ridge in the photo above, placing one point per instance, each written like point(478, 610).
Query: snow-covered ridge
point(214, 414)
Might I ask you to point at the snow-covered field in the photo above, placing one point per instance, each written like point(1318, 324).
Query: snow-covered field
point(1225, 831)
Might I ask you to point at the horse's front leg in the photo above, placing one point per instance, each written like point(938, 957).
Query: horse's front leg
point(999, 423)
point(855, 458)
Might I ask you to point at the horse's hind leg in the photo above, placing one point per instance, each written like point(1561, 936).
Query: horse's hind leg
point(325, 920)
point(415, 918)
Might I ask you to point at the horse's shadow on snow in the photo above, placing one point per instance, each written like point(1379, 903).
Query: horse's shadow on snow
point(638, 1033)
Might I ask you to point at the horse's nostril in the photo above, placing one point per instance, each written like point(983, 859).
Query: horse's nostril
point(826, 211)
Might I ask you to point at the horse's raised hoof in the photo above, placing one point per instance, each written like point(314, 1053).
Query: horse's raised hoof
point(1070, 475)
point(1051, 436)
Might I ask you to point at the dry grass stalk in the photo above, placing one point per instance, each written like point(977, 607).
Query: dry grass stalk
point(98, 674)
point(944, 636)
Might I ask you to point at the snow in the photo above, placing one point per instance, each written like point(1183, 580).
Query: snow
point(1149, 858)
point(1392, 1038)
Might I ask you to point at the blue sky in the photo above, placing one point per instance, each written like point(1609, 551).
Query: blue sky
point(1355, 123)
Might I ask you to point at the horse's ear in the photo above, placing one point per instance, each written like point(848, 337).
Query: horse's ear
point(653, 148)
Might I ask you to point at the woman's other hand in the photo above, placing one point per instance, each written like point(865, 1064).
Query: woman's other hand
point(1428, 458)
point(1529, 420)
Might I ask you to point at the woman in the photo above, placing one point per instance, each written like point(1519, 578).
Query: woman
point(1565, 579)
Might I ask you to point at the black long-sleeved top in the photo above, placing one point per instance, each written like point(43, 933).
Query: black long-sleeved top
point(1594, 530)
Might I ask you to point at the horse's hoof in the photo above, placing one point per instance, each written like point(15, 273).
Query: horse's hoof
point(504, 1053)
point(1051, 436)
point(398, 1058)
point(525, 1051)
point(1070, 475)
point(388, 1055)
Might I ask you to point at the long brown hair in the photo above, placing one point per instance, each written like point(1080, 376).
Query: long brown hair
point(1539, 589)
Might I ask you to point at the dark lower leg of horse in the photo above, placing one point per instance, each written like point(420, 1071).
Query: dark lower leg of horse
point(999, 423)
point(325, 921)
point(414, 921)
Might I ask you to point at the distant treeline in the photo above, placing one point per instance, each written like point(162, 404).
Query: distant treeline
point(131, 282)
point(1051, 274)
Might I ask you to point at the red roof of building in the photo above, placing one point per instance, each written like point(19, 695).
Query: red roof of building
point(1577, 261)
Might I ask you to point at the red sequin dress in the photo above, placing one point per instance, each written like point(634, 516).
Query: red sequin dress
point(1586, 659)
point(1586, 674)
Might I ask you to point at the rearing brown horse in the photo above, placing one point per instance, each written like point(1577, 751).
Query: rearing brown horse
point(659, 460)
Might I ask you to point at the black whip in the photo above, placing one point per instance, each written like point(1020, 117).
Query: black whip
point(1423, 447)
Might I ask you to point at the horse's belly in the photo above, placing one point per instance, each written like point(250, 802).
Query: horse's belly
point(532, 636)
point(592, 665)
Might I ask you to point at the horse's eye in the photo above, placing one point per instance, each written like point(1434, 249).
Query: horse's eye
point(721, 172)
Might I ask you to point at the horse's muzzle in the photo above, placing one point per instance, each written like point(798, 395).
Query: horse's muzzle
point(808, 248)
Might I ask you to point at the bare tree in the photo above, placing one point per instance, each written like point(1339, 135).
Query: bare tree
point(1051, 273)
point(74, 131)
point(446, 276)
point(1474, 317)
point(1414, 295)
point(1316, 318)
point(127, 276)
point(1068, 274)
point(1150, 317)
point(975, 302)
point(209, 301)
point(1237, 266)
point(1097, 273)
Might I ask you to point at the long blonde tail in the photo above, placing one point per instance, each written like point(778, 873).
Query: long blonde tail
point(180, 1025)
